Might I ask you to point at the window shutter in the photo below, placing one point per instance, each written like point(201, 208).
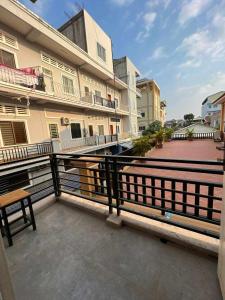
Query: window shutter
point(20, 132)
point(7, 133)
point(10, 109)
point(53, 128)
point(22, 110)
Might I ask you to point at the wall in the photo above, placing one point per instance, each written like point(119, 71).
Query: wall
point(94, 34)
point(209, 108)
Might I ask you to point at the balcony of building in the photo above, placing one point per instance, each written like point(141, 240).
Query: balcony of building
point(74, 255)
point(31, 82)
point(20, 152)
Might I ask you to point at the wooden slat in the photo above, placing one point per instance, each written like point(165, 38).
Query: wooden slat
point(13, 197)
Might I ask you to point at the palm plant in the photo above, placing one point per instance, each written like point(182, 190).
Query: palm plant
point(142, 145)
point(189, 134)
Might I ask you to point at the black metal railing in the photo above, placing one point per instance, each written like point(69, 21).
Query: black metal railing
point(184, 193)
point(142, 187)
point(184, 136)
point(18, 152)
point(104, 102)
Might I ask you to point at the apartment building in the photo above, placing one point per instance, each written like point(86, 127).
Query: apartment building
point(149, 104)
point(126, 71)
point(54, 88)
point(208, 106)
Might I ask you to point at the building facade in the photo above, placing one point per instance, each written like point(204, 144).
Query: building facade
point(56, 89)
point(149, 105)
point(163, 112)
point(126, 71)
point(208, 107)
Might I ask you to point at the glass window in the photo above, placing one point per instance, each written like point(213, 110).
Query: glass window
point(101, 129)
point(7, 59)
point(209, 105)
point(68, 85)
point(101, 52)
point(143, 114)
point(75, 130)
point(54, 132)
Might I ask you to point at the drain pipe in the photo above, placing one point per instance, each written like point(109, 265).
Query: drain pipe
point(6, 286)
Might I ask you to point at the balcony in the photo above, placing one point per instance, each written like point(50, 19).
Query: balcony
point(74, 255)
point(20, 152)
point(44, 87)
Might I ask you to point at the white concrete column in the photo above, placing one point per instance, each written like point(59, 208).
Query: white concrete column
point(6, 286)
point(221, 261)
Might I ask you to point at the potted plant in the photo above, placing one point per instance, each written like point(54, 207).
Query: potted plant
point(168, 134)
point(142, 145)
point(159, 136)
point(189, 134)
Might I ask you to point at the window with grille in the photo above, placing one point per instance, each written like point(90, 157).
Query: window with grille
point(8, 40)
point(67, 85)
point(7, 59)
point(75, 130)
point(101, 129)
point(13, 133)
point(101, 52)
point(53, 129)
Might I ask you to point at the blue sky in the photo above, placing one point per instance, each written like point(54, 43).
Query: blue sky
point(179, 43)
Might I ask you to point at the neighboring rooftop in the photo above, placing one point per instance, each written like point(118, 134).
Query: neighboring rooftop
point(212, 98)
point(146, 81)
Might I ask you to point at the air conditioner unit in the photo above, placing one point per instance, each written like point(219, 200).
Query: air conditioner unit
point(65, 121)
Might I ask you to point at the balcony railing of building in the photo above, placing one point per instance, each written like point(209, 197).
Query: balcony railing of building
point(33, 78)
point(126, 183)
point(19, 152)
point(203, 135)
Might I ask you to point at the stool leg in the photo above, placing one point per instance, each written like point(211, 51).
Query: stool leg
point(7, 229)
point(24, 211)
point(31, 213)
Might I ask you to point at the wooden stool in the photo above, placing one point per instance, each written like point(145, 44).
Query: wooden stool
point(9, 199)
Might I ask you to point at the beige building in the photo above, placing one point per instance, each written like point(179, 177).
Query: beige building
point(149, 105)
point(128, 72)
point(58, 86)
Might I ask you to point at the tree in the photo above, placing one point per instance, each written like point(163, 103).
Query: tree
point(153, 127)
point(189, 118)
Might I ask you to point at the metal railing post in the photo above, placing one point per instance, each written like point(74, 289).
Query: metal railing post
point(115, 179)
point(108, 184)
point(55, 174)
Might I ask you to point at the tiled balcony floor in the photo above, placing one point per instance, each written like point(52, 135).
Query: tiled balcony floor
point(74, 255)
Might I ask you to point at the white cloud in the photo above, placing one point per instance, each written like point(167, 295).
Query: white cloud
point(204, 44)
point(149, 19)
point(122, 2)
point(192, 63)
point(192, 9)
point(158, 53)
point(155, 3)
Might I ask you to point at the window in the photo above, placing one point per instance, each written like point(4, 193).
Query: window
point(141, 128)
point(143, 114)
point(48, 79)
point(7, 59)
point(54, 132)
point(98, 93)
point(14, 181)
point(101, 129)
point(86, 91)
point(68, 85)
point(13, 133)
point(209, 105)
point(101, 52)
point(117, 129)
point(75, 130)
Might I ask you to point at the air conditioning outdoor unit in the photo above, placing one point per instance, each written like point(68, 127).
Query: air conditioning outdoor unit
point(65, 121)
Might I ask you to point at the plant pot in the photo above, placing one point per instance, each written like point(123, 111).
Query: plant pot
point(190, 139)
point(159, 145)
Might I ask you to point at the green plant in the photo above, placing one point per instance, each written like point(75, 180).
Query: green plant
point(159, 137)
point(153, 128)
point(189, 134)
point(142, 145)
point(168, 133)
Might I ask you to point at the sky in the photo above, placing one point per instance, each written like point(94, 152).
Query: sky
point(178, 43)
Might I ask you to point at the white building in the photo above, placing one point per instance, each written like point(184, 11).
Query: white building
point(208, 108)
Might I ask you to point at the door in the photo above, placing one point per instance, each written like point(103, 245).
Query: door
point(111, 129)
point(90, 128)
